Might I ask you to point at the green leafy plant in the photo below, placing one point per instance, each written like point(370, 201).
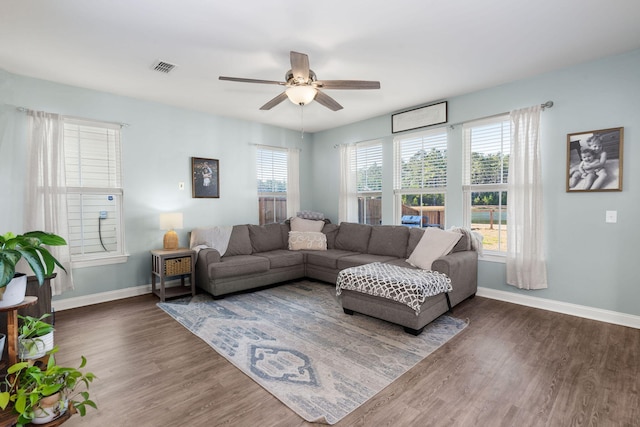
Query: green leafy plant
point(30, 331)
point(27, 384)
point(28, 246)
point(33, 327)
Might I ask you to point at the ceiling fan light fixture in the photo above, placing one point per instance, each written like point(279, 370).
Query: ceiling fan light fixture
point(301, 95)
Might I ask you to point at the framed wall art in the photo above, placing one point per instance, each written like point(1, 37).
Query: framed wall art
point(419, 117)
point(205, 178)
point(594, 160)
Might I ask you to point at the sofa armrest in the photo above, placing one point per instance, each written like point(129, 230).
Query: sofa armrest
point(205, 257)
point(462, 269)
point(208, 255)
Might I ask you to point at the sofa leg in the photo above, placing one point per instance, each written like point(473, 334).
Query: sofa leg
point(412, 331)
point(347, 311)
point(472, 296)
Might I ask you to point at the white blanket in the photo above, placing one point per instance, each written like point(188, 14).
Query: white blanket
point(408, 286)
point(474, 238)
point(212, 237)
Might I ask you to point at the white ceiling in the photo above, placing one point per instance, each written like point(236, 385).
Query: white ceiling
point(421, 51)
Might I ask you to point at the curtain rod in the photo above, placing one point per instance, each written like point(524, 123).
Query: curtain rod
point(124, 125)
point(547, 104)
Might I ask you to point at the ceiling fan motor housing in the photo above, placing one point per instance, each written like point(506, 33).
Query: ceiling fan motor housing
point(293, 81)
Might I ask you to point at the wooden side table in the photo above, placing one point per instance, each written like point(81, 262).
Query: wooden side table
point(172, 263)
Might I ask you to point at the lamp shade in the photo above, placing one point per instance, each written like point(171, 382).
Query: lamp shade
point(301, 95)
point(171, 221)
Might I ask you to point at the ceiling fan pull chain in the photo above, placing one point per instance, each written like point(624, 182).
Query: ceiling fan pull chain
point(301, 121)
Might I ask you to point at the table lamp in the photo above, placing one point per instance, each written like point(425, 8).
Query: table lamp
point(171, 222)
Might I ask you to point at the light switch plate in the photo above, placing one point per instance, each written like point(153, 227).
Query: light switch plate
point(611, 216)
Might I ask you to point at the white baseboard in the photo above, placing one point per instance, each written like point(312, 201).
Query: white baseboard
point(562, 307)
point(75, 302)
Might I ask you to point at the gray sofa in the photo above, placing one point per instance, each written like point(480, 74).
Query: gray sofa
point(257, 256)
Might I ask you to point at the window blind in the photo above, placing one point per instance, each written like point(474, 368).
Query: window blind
point(487, 146)
point(93, 176)
point(367, 160)
point(421, 161)
point(271, 166)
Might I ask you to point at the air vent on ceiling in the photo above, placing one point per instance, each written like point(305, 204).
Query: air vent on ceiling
point(163, 67)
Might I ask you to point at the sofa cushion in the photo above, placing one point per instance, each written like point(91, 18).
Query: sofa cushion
point(331, 231)
point(300, 224)
point(361, 259)
point(239, 242)
point(282, 258)
point(464, 244)
point(232, 266)
point(389, 240)
point(309, 240)
point(353, 237)
point(328, 258)
point(433, 244)
point(267, 237)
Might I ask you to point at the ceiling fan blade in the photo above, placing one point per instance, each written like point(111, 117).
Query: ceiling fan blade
point(327, 101)
point(275, 101)
point(347, 84)
point(300, 65)
point(241, 80)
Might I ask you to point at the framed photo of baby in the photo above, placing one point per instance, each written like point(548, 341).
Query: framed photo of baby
point(594, 160)
point(205, 176)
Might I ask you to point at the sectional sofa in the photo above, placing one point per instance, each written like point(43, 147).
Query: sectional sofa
point(257, 256)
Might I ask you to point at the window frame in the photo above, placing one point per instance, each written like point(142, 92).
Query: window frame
point(119, 255)
point(440, 189)
point(469, 188)
point(275, 195)
point(362, 195)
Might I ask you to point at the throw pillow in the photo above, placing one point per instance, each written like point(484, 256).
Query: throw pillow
point(433, 244)
point(310, 240)
point(301, 224)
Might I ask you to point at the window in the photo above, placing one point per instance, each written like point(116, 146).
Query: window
point(272, 184)
point(486, 169)
point(367, 160)
point(94, 192)
point(420, 178)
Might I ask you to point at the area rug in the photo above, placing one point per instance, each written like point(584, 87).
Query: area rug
point(296, 342)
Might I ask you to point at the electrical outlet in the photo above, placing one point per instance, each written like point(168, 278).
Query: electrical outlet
point(181, 186)
point(103, 214)
point(611, 216)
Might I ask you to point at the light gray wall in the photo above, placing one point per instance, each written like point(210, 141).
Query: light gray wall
point(590, 262)
point(157, 150)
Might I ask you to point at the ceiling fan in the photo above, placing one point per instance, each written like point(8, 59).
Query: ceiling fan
point(302, 86)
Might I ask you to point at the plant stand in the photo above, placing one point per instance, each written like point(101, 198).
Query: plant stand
point(7, 417)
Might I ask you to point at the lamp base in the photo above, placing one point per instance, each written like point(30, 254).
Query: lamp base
point(170, 240)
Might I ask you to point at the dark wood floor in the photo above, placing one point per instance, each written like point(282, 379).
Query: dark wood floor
point(513, 366)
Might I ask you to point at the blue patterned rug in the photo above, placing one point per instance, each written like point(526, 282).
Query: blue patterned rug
point(295, 341)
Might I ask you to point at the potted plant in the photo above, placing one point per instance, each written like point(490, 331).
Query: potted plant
point(35, 337)
point(41, 394)
point(28, 246)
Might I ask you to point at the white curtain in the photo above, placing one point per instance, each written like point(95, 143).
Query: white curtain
point(348, 202)
point(526, 267)
point(46, 195)
point(293, 182)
